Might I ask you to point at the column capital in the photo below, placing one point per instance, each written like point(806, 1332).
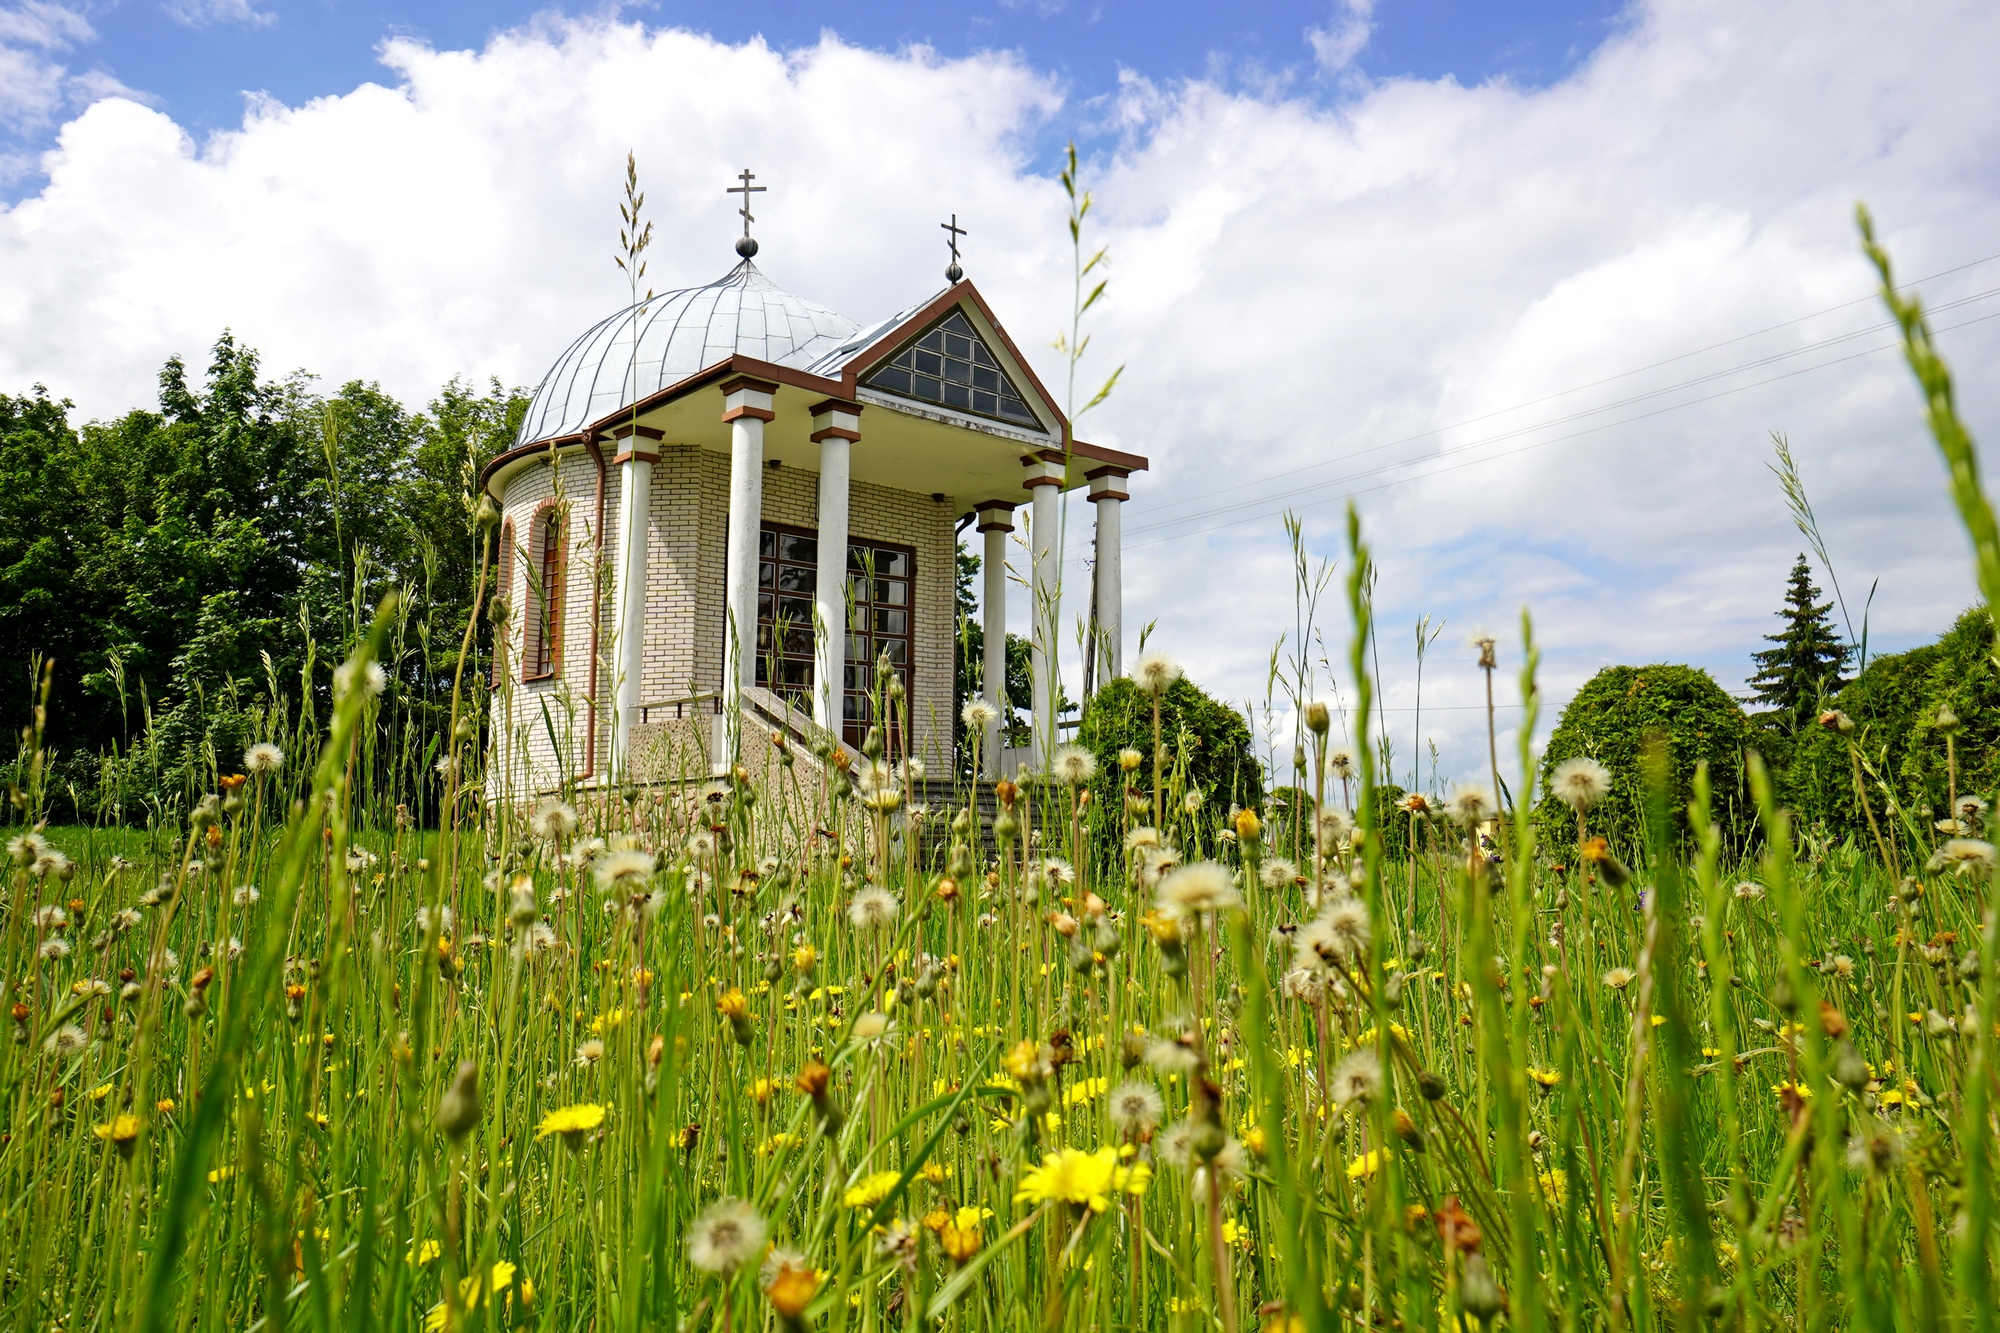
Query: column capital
point(633, 441)
point(1044, 468)
point(836, 419)
point(1108, 484)
point(995, 515)
point(743, 396)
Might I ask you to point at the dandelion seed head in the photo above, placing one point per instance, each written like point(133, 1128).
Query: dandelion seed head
point(1580, 783)
point(1358, 1079)
point(1155, 673)
point(1073, 766)
point(624, 871)
point(1206, 886)
point(263, 758)
point(552, 820)
point(979, 715)
point(67, 1041)
point(1136, 1107)
point(1278, 873)
point(727, 1235)
point(873, 908)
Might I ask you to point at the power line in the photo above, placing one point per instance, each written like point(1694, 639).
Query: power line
point(1291, 501)
point(1727, 342)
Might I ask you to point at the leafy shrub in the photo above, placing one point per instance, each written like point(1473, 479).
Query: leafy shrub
point(1611, 718)
point(1207, 746)
point(1894, 704)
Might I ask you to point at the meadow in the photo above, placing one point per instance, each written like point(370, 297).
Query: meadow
point(781, 1048)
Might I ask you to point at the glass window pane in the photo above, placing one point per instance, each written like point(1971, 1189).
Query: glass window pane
point(767, 573)
point(982, 378)
point(857, 648)
point(764, 606)
point(895, 379)
point(799, 640)
point(854, 707)
point(898, 650)
point(934, 340)
point(985, 404)
point(805, 550)
point(929, 389)
point(797, 578)
point(892, 622)
point(929, 363)
point(958, 345)
point(893, 564)
point(957, 395)
point(958, 372)
point(895, 592)
point(796, 610)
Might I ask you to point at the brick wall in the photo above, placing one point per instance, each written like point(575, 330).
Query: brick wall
point(685, 562)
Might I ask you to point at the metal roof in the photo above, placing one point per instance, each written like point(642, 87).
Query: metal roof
point(662, 341)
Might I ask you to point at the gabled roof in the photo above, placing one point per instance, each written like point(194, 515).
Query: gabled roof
point(821, 354)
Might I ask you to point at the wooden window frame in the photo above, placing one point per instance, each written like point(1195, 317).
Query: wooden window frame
point(542, 639)
point(909, 667)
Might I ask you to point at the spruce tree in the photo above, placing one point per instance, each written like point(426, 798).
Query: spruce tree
point(1805, 659)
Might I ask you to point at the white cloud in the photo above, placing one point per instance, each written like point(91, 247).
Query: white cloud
point(203, 13)
point(1338, 42)
point(1292, 285)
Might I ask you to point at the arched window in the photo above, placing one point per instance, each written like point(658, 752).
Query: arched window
point(503, 590)
point(541, 648)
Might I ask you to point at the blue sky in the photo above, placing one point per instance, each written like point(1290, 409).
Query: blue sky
point(1530, 283)
point(199, 58)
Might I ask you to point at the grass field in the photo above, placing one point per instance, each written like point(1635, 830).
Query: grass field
point(736, 1056)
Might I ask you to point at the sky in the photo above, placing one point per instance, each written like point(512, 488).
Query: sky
point(1530, 285)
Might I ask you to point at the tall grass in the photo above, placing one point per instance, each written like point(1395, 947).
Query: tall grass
point(318, 1062)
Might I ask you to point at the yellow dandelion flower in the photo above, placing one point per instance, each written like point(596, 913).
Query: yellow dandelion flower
point(1548, 1078)
point(1555, 1186)
point(871, 1190)
point(572, 1122)
point(1072, 1176)
point(1366, 1165)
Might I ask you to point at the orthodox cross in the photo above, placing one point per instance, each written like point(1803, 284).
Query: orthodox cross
point(746, 246)
point(954, 272)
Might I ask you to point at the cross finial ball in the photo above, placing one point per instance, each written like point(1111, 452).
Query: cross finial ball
point(747, 244)
point(953, 272)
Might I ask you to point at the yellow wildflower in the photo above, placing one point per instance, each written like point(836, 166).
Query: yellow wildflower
point(871, 1190)
point(1364, 1166)
point(572, 1122)
point(1548, 1078)
point(1072, 1176)
point(1555, 1185)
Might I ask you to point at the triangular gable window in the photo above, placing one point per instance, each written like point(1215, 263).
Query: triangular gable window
point(950, 366)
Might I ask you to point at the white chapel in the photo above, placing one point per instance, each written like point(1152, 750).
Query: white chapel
point(728, 504)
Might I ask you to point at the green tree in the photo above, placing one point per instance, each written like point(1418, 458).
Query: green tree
point(1208, 746)
point(1803, 664)
point(1611, 720)
point(1894, 704)
point(970, 669)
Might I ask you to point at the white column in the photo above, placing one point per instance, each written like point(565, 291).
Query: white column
point(635, 505)
point(996, 520)
point(746, 407)
point(836, 428)
point(1107, 492)
point(1045, 478)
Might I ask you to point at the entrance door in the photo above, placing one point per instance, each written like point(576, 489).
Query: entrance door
point(881, 605)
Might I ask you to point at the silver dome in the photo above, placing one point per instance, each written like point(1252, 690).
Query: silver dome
point(677, 334)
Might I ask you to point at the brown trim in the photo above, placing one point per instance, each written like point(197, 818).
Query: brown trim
point(842, 389)
point(741, 413)
point(750, 382)
point(1110, 457)
point(628, 429)
point(1042, 456)
point(836, 433)
point(545, 623)
point(1095, 496)
point(596, 608)
point(826, 405)
point(1033, 482)
point(1108, 470)
point(633, 456)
